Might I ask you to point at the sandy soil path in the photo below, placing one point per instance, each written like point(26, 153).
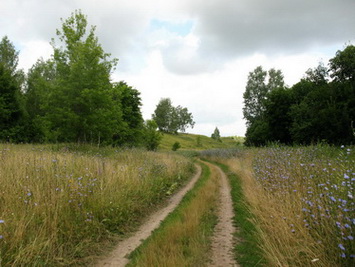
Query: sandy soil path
point(117, 257)
point(222, 239)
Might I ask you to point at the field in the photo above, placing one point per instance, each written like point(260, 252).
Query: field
point(59, 204)
point(197, 142)
point(302, 199)
point(56, 205)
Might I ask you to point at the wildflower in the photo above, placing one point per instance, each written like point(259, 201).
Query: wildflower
point(343, 255)
point(333, 199)
point(350, 237)
point(29, 194)
point(346, 176)
point(341, 246)
point(2, 221)
point(1, 236)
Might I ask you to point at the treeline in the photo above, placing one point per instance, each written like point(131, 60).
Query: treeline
point(319, 108)
point(70, 97)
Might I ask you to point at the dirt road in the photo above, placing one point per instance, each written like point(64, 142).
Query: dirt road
point(222, 239)
point(118, 256)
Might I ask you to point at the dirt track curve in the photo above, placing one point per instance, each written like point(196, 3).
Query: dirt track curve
point(118, 256)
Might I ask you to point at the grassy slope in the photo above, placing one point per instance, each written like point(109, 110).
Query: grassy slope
point(190, 142)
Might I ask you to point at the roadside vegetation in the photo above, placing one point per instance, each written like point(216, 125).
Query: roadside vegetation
point(56, 206)
point(183, 238)
point(301, 200)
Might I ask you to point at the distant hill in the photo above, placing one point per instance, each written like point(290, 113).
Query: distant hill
point(197, 142)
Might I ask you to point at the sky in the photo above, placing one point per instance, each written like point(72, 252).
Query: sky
point(198, 53)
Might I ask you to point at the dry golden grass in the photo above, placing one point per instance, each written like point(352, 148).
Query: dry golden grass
point(284, 238)
point(56, 205)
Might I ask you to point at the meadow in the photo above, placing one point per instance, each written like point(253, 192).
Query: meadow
point(302, 202)
point(57, 203)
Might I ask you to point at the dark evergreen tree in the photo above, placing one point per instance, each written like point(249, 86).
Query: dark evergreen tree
point(216, 135)
point(12, 111)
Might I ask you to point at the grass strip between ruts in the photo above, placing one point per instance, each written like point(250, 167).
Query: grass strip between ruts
point(183, 238)
point(247, 249)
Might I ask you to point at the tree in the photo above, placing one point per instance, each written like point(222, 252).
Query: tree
point(342, 66)
point(184, 119)
point(216, 135)
point(277, 115)
point(318, 75)
point(162, 114)
point(129, 101)
point(256, 92)
point(12, 112)
point(171, 119)
point(82, 108)
point(151, 136)
point(255, 95)
point(255, 100)
point(39, 85)
point(176, 146)
point(9, 58)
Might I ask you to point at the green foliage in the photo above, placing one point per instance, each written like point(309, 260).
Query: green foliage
point(256, 92)
point(176, 146)
point(277, 115)
point(172, 119)
point(12, 112)
point(315, 109)
point(70, 97)
point(216, 135)
point(342, 66)
point(82, 108)
point(151, 136)
point(129, 101)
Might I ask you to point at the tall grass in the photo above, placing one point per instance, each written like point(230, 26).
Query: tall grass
point(184, 237)
point(54, 206)
point(302, 199)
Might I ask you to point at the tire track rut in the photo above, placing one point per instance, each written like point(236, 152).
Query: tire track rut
point(118, 257)
point(223, 240)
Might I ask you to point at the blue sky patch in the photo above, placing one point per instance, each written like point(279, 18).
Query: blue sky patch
point(180, 28)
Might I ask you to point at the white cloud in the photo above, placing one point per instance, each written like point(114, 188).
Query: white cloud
point(31, 51)
point(204, 64)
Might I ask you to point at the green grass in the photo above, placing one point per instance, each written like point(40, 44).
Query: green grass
point(183, 238)
point(197, 142)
